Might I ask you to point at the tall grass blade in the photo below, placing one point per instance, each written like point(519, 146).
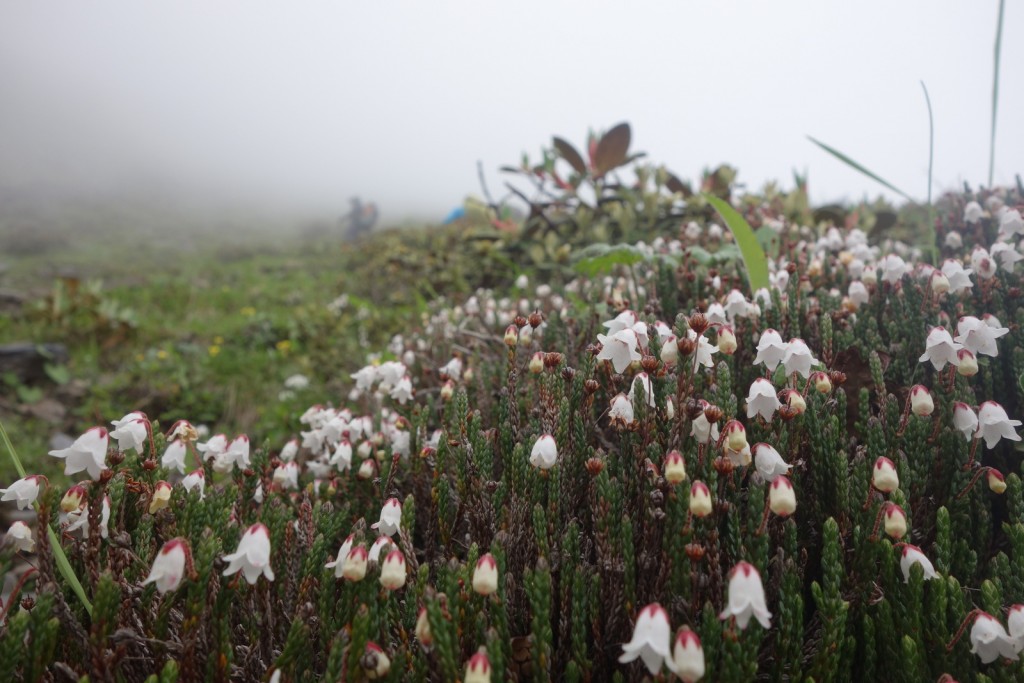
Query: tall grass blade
point(754, 258)
point(850, 162)
point(63, 566)
point(995, 93)
point(931, 140)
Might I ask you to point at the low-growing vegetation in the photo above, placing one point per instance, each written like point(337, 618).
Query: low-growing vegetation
point(649, 433)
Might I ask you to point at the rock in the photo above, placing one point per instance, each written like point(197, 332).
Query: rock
point(27, 361)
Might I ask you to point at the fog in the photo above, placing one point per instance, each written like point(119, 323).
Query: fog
point(302, 105)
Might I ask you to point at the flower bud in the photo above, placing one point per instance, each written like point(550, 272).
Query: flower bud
point(700, 499)
point(921, 403)
point(537, 363)
point(72, 500)
point(511, 336)
point(485, 576)
point(967, 363)
point(375, 663)
point(422, 630)
point(996, 482)
point(161, 497)
point(782, 497)
point(478, 668)
point(795, 400)
point(822, 382)
point(367, 469)
point(675, 468)
point(884, 476)
point(354, 568)
point(895, 521)
point(670, 408)
point(726, 340)
point(392, 572)
point(447, 390)
point(939, 282)
point(735, 435)
point(688, 656)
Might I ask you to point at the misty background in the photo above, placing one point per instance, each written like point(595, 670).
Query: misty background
point(294, 107)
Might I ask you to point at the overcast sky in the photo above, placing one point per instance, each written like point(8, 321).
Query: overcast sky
point(308, 103)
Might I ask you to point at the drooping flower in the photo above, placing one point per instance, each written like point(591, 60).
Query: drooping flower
point(687, 656)
point(88, 453)
point(24, 491)
point(216, 445)
point(286, 475)
point(965, 420)
point(958, 276)
point(645, 388)
point(130, 432)
point(705, 350)
point(174, 456)
point(195, 479)
point(1015, 625)
point(289, 451)
point(1006, 255)
point(762, 399)
point(770, 349)
point(893, 268)
point(768, 463)
point(652, 635)
point(1011, 224)
point(703, 429)
point(390, 518)
point(913, 555)
point(798, 358)
point(485, 575)
point(169, 566)
point(982, 263)
point(621, 411)
point(402, 390)
point(422, 630)
point(619, 348)
point(338, 563)
point(996, 481)
point(940, 348)
point(978, 337)
point(545, 452)
point(252, 556)
point(20, 534)
point(858, 293)
point(973, 212)
point(995, 424)
point(669, 350)
point(746, 597)
point(989, 640)
point(78, 520)
point(377, 547)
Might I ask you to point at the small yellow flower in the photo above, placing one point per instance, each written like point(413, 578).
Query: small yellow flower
point(284, 346)
point(248, 311)
point(214, 349)
point(162, 355)
point(218, 340)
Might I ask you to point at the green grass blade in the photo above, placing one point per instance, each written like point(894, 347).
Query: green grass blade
point(753, 255)
point(931, 140)
point(63, 566)
point(995, 92)
point(850, 162)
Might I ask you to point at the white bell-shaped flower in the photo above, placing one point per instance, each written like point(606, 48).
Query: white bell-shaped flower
point(940, 349)
point(130, 432)
point(652, 636)
point(545, 452)
point(770, 349)
point(390, 518)
point(768, 463)
point(88, 453)
point(912, 555)
point(746, 597)
point(989, 640)
point(253, 555)
point(994, 424)
point(169, 566)
point(619, 348)
point(24, 491)
point(978, 337)
point(762, 399)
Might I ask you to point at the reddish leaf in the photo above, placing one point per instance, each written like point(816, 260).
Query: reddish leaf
point(674, 184)
point(569, 153)
point(612, 149)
